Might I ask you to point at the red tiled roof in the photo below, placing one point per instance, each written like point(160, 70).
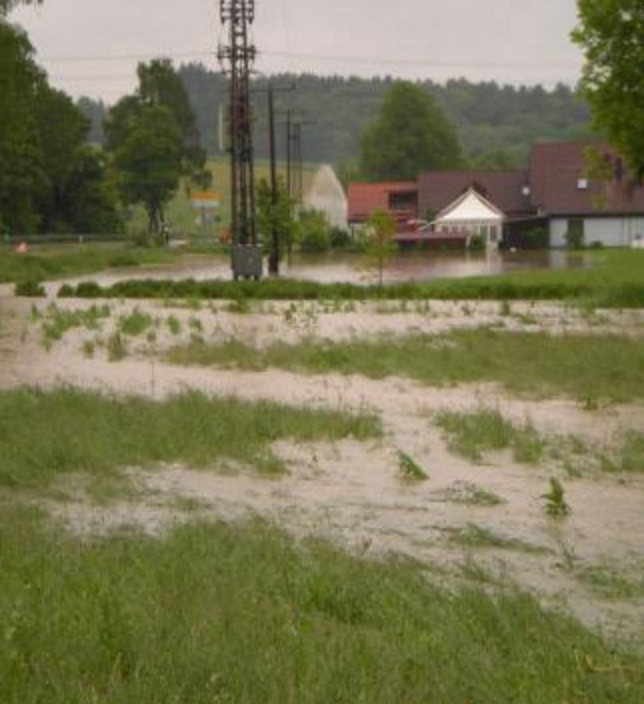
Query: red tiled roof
point(439, 189)
point(556, 169)
point(367, 198)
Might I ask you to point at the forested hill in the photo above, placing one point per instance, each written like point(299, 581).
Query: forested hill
point(496, 123)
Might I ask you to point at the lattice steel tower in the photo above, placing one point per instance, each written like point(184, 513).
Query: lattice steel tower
point(237, 58)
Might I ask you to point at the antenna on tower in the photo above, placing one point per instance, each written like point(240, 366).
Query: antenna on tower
point(236, 59)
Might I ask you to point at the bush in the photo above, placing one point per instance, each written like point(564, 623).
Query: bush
point(313, 232)
point(30, 289)
point(339, 238)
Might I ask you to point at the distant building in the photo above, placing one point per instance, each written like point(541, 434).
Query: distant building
point(555, 198)
point(469, 216)
point(399, 198)
point(609, 211)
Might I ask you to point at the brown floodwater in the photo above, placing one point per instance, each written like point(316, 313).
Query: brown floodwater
point(356, 268)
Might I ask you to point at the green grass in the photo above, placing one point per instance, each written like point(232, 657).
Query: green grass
point(46, 435)
point(409, 469)
point(242, 615)
point(56, 323)
point(472, 434)
point(614, 280)
point(135, 323)
point(48, 264)
point(608, 366)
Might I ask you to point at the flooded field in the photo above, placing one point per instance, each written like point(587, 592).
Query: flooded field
point(486, 511)
point(356, 268)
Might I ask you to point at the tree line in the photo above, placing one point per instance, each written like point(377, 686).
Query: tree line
point(54, 180)
point(496, 124)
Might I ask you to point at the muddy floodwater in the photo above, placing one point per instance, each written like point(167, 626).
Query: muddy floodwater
point(355, 268)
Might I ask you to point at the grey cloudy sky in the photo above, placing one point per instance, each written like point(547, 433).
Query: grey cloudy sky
point(91, 47)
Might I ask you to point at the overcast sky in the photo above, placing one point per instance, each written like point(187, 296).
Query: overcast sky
point(91, 47)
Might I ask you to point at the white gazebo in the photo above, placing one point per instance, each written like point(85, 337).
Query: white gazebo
point(474, 216)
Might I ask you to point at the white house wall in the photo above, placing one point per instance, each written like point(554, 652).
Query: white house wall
point(611, 232)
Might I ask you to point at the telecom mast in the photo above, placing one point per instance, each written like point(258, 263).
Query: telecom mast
point(237, 58)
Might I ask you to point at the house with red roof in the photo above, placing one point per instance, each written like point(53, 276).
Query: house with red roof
point(562, 192)
point(562, 195)
point(399, 198)
point(607, 208)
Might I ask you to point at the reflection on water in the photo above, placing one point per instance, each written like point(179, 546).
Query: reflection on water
point(356, 268)
point(427, 266)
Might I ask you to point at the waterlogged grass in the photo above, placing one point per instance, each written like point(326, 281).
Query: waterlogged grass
point(611, 583)
point(409, 469)
point(602, 367)
point(472, 434)
point(47, 434)
point(135, 323)
point(47, 265)
point(469, 494)
point(56, 323)
point(613, 279)
point(474, 536)
point(217, 613)
point(630, 456)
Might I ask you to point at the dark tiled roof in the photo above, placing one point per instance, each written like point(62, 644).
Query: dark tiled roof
point(438, 189)
point(367, 198)
point(556, 169)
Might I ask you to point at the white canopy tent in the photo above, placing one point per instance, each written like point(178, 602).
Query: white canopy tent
point(474, 215)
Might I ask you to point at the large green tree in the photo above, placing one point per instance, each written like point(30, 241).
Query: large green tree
point(22, 171)
point(411, 134)
point(49, 182)
point(160, 85)
point(149, 162)
point(612, 35)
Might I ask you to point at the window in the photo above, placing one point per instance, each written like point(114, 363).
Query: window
point(582, 184)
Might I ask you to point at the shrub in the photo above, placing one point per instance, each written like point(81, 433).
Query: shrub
point(30, 289)
point(538, 238)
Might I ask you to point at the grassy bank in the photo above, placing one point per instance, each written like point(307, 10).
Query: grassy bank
point(586, 367)
point(614, 280)
point(47, 434)
point(243, 615)
point(58, 263)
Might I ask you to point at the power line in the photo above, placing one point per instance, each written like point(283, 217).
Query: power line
point(336, 58)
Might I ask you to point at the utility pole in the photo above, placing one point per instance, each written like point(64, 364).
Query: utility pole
point(274, 258)
point(289, 153)
point(237, 58)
